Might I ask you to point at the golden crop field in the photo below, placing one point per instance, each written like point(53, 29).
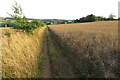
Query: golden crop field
point(93, 47)
point(78, 50)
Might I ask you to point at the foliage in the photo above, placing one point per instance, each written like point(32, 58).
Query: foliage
point(9, 23)
point(89, 18)
point(2, 24)
point(38, 22)
point(111, 17)
point(21, 22)
point(92, 18)
point(54, 21)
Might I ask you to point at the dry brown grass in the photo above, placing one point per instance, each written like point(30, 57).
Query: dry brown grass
point(20, 53)
point(95, 42)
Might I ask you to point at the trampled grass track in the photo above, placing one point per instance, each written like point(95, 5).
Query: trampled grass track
point(46, 61)
point(56, 64)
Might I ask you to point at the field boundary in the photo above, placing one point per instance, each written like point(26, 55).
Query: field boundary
point(0, 53)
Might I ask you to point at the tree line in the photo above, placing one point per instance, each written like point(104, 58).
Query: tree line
point(92, 18)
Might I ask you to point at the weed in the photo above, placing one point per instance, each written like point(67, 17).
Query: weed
point(8, 33)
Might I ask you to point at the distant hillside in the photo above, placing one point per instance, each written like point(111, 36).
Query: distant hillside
point(47, 21)
point(56, 21)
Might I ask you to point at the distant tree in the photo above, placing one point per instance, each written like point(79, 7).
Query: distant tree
point(111, 16)
point(83, 19)
point(38, 22)
point(99, 18)
point(91, 18)
point(76, 21)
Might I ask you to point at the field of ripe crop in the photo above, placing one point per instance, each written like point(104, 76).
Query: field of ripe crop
point(79, 50)
point(92, 47)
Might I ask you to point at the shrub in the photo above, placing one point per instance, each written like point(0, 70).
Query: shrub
point(21, 22)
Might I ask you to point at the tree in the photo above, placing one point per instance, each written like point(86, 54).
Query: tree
point(18, 14)
point(99, 18)
point(111, 16)
point(83, 19)
point(91, 18)
point(21, 22)
point(77, 20)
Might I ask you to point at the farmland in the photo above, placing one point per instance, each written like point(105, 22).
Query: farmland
point(42, 40)
point(75, 50)
point(91, 48)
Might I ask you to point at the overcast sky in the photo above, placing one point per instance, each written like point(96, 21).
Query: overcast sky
point(61, 9)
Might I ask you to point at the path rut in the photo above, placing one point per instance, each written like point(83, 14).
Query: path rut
point(56, 65)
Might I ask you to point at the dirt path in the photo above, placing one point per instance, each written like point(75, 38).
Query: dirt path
point(47, 71)
point(55, 64)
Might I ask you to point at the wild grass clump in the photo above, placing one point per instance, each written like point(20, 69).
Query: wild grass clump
point(7, 33)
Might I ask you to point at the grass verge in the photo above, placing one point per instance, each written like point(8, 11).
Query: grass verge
point(20, 53)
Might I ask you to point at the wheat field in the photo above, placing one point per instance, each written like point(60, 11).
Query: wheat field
point(93, 47)
point(78, 50)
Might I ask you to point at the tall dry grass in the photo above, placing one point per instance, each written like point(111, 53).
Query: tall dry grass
point(20, 53)
point(94, 46)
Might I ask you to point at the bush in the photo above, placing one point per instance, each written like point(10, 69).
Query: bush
point(21, 22)
point(9, 24)
point(28, 26)
point(38, 22)
point(2, 25)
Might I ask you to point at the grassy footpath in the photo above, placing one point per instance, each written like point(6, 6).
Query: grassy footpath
point(59, 66)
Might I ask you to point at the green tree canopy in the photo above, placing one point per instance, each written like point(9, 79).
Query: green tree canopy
point(21, 22)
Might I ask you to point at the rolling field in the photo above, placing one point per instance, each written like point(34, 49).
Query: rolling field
point(91, 48)
point(79, 50)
